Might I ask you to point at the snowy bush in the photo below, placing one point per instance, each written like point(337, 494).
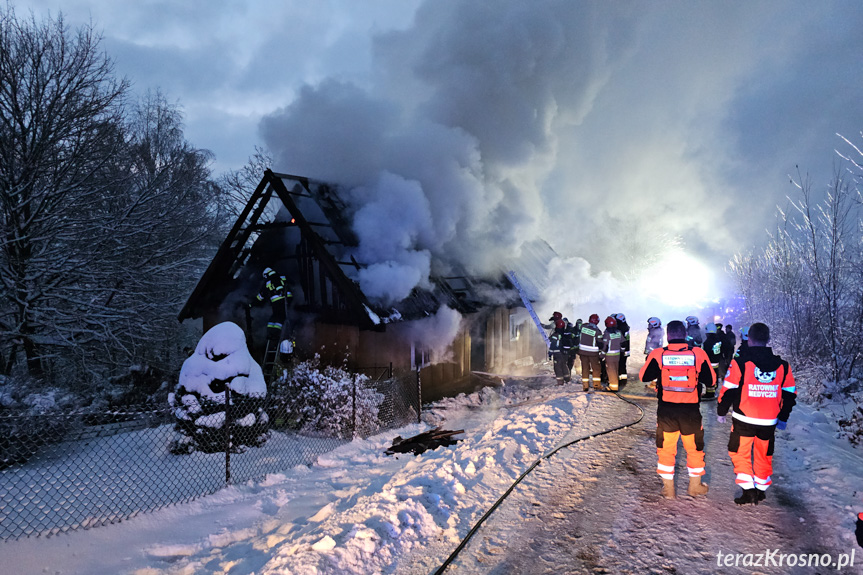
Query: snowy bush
point(221, 362)
point(330, 400)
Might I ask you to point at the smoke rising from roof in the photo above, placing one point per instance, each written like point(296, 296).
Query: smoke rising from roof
point(605, 128)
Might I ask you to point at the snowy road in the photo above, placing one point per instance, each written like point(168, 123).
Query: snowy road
point(595, 508)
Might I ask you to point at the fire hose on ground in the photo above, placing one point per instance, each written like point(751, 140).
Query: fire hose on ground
point(533, 466)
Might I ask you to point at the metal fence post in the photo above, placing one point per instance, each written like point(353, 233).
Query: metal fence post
point(419, 397)
point(227, 434)
point(354, 406)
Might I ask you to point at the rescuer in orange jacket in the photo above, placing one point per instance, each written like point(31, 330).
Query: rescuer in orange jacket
point(681, 372)
point(589, 339)
point(761, 389)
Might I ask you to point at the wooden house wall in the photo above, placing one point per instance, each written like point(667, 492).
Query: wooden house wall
point(507, 355)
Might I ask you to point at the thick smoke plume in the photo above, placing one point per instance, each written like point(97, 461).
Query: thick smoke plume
point(592, 125)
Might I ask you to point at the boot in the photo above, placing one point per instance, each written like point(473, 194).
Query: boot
point(748, 496)
point(696, 487)
point(668, 489)
point(759, 496)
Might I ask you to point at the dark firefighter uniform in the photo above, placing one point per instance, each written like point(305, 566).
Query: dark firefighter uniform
point(589, 339)
point(681, 372)
point(275, 292)
point(716, 348)
point(558, 354)
point(624, 346)
point(760, 388)
point(610, 352)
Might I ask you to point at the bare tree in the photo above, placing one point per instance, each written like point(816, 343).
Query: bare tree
point(60, 115)
point(107, 213)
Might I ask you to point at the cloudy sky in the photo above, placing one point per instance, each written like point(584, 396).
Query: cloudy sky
point(611, 129)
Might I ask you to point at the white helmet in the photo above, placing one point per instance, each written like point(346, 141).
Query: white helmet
point(268, 271)
point(692, 320)
point(654, 322)
point(711, 328)
point(619, 317)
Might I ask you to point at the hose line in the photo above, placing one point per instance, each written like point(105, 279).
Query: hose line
point(497, 503)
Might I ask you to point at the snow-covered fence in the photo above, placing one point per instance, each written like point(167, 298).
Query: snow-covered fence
point(65, 471)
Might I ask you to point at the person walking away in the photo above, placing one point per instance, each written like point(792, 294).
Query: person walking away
point(761, 390)
point(681, 372)
point(589, 338)
point(716, 347)
point(557, 355)
point(624, 346)
point(610, 351)
point(693, 331)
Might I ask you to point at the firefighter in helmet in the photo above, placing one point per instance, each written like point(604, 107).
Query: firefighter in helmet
point(277, 294)
point(589, 339)
point(610, 351)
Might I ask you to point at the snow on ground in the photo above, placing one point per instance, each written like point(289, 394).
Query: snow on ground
point(591, 508)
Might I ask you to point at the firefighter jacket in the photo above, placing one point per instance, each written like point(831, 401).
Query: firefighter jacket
point(612, 343)
point(716, 348)
point(624, 342)
point(274, 291)
point(569, 340)
point(654, 339)
point(759, 386)
point(681, 371)
point(554, 345)
point(589, 339)
point(694, 335)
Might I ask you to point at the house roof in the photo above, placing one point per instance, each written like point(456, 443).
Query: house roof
point(301, 219)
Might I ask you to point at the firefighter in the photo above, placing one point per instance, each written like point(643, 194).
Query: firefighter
point(693, 331)
point(275, 291)
point(569, 343)
point(624, 345)
point(760, 388)
point(731, 339)
point(589, 338)
point(557, 354)
point(610, 351)
point(716, 348)
point(744, 341)
point(681, 372)
point(654, 335)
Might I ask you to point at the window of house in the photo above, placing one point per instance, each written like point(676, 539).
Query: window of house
point(420, 356)
point(514, 328)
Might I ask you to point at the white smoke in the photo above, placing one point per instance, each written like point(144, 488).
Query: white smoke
point(486, 125)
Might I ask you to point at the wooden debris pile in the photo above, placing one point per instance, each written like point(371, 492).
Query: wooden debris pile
point(427, 440)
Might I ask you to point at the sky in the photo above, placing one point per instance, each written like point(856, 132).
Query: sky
point(633, 137)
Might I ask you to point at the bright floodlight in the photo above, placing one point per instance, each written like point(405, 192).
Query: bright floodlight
point(678, 280)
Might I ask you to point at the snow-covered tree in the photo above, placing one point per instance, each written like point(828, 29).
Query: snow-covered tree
point(105, 209)
point(220, 366)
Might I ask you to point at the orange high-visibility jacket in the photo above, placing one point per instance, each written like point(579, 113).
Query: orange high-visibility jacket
point(678, 369)
point(760, 387)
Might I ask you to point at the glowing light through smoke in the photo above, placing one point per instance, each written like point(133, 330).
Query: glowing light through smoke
point(679, 280)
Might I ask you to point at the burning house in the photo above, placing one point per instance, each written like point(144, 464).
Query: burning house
point(448, 329)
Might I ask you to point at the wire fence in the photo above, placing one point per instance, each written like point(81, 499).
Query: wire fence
point(66, 471)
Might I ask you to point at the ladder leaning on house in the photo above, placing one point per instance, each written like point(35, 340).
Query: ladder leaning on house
point(526, 301)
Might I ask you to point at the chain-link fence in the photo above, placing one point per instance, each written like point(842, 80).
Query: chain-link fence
point(64, 471)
